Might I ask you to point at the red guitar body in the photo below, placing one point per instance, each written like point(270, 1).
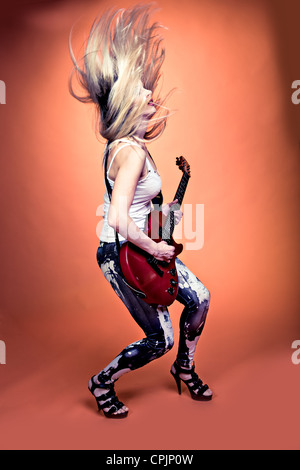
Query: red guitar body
point(157, 280)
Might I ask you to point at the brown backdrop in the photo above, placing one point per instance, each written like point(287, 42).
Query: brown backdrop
point(233, 63)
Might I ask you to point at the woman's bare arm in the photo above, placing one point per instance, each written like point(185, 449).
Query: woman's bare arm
point(131, 161)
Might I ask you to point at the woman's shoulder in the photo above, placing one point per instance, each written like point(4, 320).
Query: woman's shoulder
point(123, 154)
point(124, 142)
point(126, 147)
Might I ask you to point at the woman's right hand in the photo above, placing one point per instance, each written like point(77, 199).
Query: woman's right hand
point(163, 252)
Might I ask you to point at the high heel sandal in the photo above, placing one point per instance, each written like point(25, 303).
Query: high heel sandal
point(107, 400)
point(194, 384)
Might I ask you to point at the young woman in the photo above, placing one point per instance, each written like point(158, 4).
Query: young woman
point(120, 73)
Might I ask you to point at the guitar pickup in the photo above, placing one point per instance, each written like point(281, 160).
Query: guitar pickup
point(164, 264)
point(153, 263)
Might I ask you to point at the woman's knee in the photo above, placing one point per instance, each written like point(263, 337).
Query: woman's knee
point(160, 343)
point(198, 300)
point(146, 350)
point(203, 295)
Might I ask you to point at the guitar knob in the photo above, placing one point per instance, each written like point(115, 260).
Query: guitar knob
point(173, 272)
point(171, 290)
point(173, 282)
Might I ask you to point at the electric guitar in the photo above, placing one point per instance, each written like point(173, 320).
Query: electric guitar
point(156, 281)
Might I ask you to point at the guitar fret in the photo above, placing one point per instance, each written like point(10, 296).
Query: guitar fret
point(168, 228)
point(182, 187)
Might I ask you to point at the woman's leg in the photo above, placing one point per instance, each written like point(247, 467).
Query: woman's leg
point(154, 321)
point(195, 297)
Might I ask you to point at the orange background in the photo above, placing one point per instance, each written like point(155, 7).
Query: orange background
point(233, 63)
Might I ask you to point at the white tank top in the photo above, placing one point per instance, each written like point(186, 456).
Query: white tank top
point(147, 188)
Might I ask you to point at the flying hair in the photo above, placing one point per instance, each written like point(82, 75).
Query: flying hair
point(122, 50)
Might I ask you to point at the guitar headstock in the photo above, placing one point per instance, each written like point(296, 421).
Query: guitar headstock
point(183, 165)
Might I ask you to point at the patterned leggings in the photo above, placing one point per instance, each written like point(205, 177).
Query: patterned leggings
point(155, 320)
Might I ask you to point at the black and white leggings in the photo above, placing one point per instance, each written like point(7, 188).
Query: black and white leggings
point(155, 320)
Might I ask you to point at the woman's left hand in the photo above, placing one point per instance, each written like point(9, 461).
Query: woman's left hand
point(177, 212)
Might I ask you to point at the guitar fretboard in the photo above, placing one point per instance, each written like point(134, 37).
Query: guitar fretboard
point(168, 228)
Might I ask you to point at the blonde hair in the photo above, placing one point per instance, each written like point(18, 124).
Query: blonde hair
point(122, 50)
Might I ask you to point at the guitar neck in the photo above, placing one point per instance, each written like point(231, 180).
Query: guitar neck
point(182, 188)
point(169, 225)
